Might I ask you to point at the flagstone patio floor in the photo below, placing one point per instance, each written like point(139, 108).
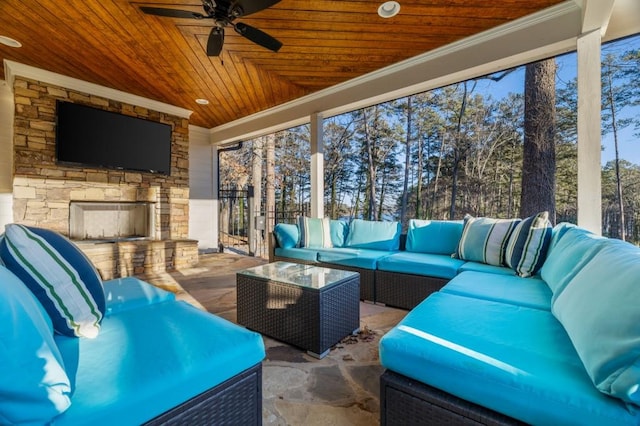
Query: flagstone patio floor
point(340, 389)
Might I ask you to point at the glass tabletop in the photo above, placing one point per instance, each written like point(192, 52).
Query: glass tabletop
point(309, 276)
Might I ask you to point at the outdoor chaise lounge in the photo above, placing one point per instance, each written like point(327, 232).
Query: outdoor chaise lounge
point(124, 352)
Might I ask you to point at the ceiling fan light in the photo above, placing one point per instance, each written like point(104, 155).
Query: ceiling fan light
point(8, 41)
point(389, 9)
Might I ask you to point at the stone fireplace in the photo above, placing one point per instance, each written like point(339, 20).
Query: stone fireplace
point(143, 216)
point(111, 221)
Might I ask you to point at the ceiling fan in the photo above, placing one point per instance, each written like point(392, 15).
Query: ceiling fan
point(223, 13)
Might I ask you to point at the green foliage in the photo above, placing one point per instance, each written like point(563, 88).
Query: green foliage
point(465, 151)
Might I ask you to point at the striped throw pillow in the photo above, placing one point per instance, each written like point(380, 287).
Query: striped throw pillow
point(485, 239)
point(59, 275)
point(314, 232)
point(528, 245)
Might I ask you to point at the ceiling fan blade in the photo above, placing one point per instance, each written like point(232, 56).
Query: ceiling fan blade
point(172, 13)
point(257, 36)
point(253, 6)
point(215, 41)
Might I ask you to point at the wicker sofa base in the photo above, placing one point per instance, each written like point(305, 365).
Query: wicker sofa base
point(237, 401)
point(367, 276)
point(404, 401)
point(404, 290)
point(367, 279)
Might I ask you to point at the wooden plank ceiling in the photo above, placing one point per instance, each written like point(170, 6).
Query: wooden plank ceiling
point(325, 42)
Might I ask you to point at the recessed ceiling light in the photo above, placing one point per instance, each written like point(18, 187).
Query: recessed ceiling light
point(389, 9)
point(8, 41)
point(202, 101)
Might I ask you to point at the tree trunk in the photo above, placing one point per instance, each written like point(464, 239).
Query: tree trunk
point(419, 180)
point(407, 165)
point(256, 181)
point(510, 207)
point(539, 154)
point(614, 127)
point(454, 184)
point(458, 152)
point(270, 183)
point(434, 196)
point(371, 193)
point(333, 204)
point(383, 188)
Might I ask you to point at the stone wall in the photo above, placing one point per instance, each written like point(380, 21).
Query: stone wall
point(42, 189)
point(126, 258)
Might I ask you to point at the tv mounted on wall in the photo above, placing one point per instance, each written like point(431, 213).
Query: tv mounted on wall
point(87, 136)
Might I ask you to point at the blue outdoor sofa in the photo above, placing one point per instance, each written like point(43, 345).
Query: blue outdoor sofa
point(537, 325)
point(79, 351)
point(395, 269)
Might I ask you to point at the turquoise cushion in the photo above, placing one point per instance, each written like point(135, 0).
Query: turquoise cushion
point(514, 360)
point(433, 236)
point(576, 247)
point(357, 258)
point(34, 386)
point(122, 294)
point(528, 244)
point(427, 264)
point(374, 235)
point(148, 360)
point(558, 231)
point(529, 292)
point(599, 310)
point(59, 275)
point(286, 234)
point(314, 232)
point(485, 239)
point(339, 231)
point(483, 267)
point(304, 254)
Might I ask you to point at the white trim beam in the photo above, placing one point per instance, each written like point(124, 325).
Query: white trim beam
point(596, 15)
point(625, 19)
point(589, 128)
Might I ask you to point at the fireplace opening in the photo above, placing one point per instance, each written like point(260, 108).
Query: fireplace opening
point(111, 221)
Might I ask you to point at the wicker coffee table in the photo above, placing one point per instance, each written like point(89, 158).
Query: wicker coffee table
point(303, 305)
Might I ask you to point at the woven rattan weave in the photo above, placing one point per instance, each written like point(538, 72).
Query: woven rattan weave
point(237, 401)
point(404, 401)
point(313, 319)
point(405, 290)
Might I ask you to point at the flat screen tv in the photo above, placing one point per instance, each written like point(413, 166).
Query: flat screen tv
point(87, 136)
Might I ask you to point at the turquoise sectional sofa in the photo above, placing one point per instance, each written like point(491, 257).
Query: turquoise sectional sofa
point(510, 321)
point(559, 348)
point(395, 269)
point(355, 246)
point(79, 351)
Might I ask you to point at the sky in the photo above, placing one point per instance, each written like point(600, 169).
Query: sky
point(629, 144)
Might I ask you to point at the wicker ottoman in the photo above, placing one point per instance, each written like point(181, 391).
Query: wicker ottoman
point(303, 305)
